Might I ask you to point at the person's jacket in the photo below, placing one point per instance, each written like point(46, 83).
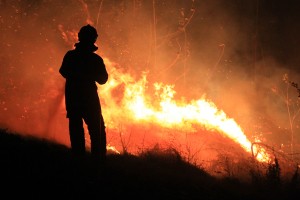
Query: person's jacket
point(82, 68)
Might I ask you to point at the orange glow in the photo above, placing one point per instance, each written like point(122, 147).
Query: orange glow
point(163, 110)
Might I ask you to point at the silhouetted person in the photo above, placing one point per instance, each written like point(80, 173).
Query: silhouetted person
point(82, 68)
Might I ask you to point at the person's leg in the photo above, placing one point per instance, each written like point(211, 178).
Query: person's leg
point(102, 137)
point(77, 139)
point(97, 133)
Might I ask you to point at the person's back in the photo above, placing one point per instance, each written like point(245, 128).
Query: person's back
point(82, 68)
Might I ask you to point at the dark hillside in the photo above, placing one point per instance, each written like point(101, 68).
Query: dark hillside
point(35, 168)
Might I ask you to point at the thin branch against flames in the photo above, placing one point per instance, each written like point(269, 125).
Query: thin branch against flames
point(293, 84)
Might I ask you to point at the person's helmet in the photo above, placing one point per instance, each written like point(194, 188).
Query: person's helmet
point(87, 34)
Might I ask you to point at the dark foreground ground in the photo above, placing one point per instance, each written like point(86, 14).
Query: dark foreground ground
point(32, 168)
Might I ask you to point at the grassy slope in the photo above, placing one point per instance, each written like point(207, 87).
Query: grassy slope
point(39, 169)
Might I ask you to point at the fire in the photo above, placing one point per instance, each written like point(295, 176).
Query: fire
point(162, 109)
point(126, 98)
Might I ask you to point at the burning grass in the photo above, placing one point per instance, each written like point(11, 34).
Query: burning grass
point(37, 168)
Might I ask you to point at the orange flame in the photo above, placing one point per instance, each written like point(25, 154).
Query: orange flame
point(162, 109)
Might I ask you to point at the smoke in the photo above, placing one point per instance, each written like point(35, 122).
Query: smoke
point(228, 50)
